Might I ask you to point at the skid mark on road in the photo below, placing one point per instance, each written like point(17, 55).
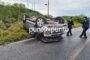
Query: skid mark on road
point(78, 50)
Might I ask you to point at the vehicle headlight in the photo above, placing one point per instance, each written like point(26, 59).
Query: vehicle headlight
point(46, 33)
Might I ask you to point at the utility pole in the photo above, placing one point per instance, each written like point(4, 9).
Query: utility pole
point(34, 5)
point(28, 3)
point(48, 7)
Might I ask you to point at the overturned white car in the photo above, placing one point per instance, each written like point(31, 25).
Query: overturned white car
point(43, 30)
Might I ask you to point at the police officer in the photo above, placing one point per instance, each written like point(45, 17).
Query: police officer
point(85, 26)
point(69, 24)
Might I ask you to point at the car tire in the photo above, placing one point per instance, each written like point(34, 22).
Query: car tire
point(40, 21)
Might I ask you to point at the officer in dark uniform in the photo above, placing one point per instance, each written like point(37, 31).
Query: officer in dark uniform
point(85, 26)
point(69, 24)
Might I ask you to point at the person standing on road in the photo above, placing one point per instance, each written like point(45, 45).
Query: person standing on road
point(69, 24)
point(85, 26)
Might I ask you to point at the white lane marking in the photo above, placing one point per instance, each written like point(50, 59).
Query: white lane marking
point(78, 51)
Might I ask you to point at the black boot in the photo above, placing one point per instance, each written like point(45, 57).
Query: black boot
point(67, 34)
point(80, 36)
point(85, 37)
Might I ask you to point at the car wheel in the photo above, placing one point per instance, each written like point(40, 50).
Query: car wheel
point(60, 20)
point(40, 21)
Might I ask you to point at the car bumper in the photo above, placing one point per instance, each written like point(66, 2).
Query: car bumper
point(53, 35)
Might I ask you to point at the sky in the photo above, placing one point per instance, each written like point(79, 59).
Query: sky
point(57, 7)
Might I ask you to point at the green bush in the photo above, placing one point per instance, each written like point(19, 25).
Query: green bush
point(14, 33)
point(11, 27)
point(2, 26)
point(76, 25)
point(78, 19)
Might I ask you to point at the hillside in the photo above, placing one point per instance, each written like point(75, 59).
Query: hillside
point(11, 27)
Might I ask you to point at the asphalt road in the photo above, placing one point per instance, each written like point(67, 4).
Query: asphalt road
point(70, 48)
